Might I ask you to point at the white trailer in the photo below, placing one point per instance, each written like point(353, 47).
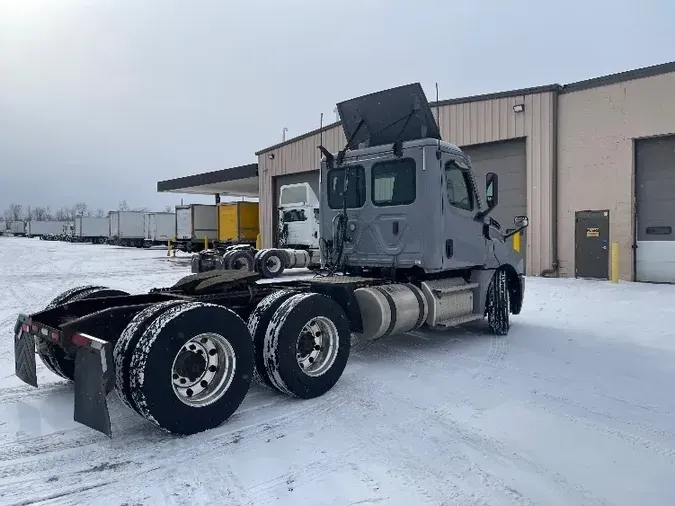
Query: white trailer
point(126, 228)
point(36, 228)
point(194, 223)
point(89, 229)
point(159, 228)
point(17, 227)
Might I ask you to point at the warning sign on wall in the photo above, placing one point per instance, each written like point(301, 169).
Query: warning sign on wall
point(592, 232)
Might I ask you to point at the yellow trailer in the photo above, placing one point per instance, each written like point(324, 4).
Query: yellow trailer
point(238, 222)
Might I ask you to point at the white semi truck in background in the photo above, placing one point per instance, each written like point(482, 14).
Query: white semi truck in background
point(297, 239)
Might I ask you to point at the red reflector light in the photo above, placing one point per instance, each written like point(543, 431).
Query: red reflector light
point(55, 336)
point(25, 327)
point(79, 340)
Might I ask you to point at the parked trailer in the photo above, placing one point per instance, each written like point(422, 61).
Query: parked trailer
point(196, 224)
point(36, 228)
point(183, 357)
point(159, 228)
point(17, 228)
point(90, 229)
point(126, 228)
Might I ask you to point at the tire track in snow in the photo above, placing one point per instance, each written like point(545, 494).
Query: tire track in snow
point(23, 475)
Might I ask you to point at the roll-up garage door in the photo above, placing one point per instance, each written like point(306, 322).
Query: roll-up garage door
point(508, 160)
point(655, 221)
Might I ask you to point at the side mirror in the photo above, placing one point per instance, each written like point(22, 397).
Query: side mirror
point(491, 189)
point(521, 221)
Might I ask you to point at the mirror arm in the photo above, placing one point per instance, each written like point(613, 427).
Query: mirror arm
point(514, 232)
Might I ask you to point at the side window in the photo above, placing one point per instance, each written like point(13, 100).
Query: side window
point(458, 186)
point(394, 182)
point(356, 192)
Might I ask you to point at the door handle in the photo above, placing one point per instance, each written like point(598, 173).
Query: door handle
point(394, 227)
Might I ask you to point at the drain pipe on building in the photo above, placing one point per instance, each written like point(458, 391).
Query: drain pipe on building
point(554, 271)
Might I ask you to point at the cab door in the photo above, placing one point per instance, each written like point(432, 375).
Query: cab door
point(464, 241)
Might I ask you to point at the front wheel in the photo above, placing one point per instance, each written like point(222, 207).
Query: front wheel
point(191, 368)
point(497, 306)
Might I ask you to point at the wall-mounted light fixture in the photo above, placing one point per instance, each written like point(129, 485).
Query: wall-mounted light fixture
point(271, 156)
point(519, 108)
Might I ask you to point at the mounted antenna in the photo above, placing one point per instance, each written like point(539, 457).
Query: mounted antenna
point(324, 151)
point(438, 120)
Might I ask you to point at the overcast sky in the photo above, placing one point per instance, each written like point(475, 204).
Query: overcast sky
point(100, 99)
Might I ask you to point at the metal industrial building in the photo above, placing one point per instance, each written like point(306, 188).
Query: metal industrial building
point(590, 163)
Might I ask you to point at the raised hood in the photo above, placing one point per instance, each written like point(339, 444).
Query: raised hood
point(397, 114)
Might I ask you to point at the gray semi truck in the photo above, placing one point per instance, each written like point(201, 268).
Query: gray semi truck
point(407, 241)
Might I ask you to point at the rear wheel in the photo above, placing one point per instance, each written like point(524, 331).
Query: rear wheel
point(241, 260)
point(191, 368)
point(497, 306)
point(258, 323)
point(272, 263)
point(125, 346)
point(54, 357)
point(307, 345)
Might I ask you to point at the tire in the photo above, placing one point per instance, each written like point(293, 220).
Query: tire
point(126, 345)
point(272, 263)
point(256, 259)
point(240, 260)
point(497, 306)
point(281, 345)
point(53, 356)
point(258, 322)
point(226, 258)
point(153, 365)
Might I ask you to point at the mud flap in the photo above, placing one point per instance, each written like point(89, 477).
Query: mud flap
point(24, 353)
point(94, 379)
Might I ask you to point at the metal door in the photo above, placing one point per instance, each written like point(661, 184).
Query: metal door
point(591, 259)
point(464, 240)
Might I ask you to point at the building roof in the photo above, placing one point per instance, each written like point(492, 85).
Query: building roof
point(240, 181)
point(629, 75)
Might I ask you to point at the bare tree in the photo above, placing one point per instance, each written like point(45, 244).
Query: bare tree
point(100, 213)
point(140, 209)
point(29, 214)
point(80, 209)
point(123, 206)
point(14, 212)
point(64, 214)
point(168, 209)
point(40, 213)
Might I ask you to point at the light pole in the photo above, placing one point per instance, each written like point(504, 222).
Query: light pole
point(283, 134)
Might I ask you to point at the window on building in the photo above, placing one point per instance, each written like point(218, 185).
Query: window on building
point(394, 182)
point(458, 185)
point(356, 190)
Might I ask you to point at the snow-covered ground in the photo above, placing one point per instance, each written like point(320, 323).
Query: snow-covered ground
point(575, 407)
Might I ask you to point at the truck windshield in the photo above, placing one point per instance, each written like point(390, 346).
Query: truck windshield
point(294, 215)
point(356, 192)
point(293, 195)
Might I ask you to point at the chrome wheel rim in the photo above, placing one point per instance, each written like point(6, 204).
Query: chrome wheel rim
point(274, 264)
point(203, 369)
point(317, 346)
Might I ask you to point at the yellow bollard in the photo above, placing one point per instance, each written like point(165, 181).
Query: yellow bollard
point(615, 262)
point(516, 241)
point(168, 248)
point(206, 242)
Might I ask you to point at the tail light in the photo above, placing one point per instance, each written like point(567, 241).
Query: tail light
point(79, 340)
